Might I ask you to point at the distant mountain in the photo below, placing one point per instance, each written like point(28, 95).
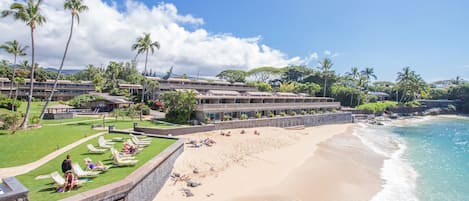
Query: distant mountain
point(64, 71)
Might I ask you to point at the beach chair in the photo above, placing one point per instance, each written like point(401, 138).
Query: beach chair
point(102, 168)
point(102, 144)
point(60, 181)
point(122, 156)
point(140, 142)
point(94, 150)
point(131, 143)
point(107, 142)
point(119, 162)
point(82, 173)
point(141, 137)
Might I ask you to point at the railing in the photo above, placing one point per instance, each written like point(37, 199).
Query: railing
point(207, 87)
point(265, 106)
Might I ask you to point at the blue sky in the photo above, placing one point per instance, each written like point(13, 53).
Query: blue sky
point(431, 36)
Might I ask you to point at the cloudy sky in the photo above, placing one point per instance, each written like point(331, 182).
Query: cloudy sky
point(207, 36)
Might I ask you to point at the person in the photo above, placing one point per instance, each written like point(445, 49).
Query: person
point(94, 166)
point(69, 181)
point(67, 164)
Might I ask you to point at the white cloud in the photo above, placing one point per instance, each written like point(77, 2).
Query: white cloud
point(331, 54)
point(105, 34)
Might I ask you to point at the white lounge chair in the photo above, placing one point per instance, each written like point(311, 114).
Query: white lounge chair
point(131, 143)
point(119, 162)
point(94, 150)
point(122, 156)
point(107, 142)
point(102, 144)
point(141, 137)
point(60, 181)
point(140, 142)
point(82, 173)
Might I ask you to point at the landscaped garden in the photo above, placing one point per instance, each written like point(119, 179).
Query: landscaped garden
point(45, 189)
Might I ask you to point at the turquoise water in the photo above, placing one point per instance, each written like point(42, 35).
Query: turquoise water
point(438, 151)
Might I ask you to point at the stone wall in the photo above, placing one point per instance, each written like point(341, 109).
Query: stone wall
point(143, 184)
point(300, 120)
point(175, 131)
point(15, 191)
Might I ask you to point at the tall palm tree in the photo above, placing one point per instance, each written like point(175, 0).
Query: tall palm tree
point(368, 73)
point(76, 7)
point(30, 14)
point(145, 45)
point(14, 48)
point(354, 74)
point(325, 66)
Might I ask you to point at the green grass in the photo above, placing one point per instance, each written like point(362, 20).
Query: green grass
point(124, 124)
point(59, 121)
point(42, 190)
point(36, 107)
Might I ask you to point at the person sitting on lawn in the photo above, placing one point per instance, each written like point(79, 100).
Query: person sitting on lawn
point(69, 181)
point(129, 149)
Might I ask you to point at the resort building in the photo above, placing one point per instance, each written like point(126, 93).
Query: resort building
point(216, 105)
point(201, 86)
point(65, 90)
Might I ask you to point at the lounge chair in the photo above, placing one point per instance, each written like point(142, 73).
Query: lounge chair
point(140, 142)
point(102, 144)
point(108, 142)
point(122, 156)
point(119, 162)
point(141, 137)
point(82, 173)
point(60, 181)
point(94, 150)
point(131, 143)
point(102, 168)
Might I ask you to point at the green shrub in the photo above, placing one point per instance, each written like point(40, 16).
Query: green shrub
point(282, 114)
point(334, 110)
point(303, 112)
point(258, 115)
point(79, 101)
point(7, 103)
point(377, 107)
point(292, 113)
point(372, 98)
point(35, 120)
point(313, 112)
point(271, 114)
point(410, 104)
point(226, 117)
point(145, 110)
point(207, 120)
point(11, 121)
point(243, 117)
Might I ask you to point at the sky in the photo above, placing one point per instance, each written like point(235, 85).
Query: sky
point(206, 36)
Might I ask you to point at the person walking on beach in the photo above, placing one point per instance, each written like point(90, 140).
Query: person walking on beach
point(67, 164)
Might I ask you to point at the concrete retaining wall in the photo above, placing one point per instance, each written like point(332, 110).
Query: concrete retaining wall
point(300, 120)
point(15, 191)
point(142, 184)
point(175, 131)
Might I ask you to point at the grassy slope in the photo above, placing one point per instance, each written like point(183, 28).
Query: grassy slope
point(43, 189)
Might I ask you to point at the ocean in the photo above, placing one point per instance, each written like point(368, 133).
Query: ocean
point(427, 158)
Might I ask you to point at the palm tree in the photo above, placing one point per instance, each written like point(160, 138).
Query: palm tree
point(17, 81)
point(75, 6)
point(144, 45)
point(354, 74)
point(325, 66)
point(367, 74)
point(14, 48)
point(30, 14)
point(410, 83)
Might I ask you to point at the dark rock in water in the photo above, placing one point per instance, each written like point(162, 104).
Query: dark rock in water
point(380, 123)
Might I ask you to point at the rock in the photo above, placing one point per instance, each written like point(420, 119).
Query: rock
point(176, 175)
point(195, 171)
point(193, 184)
point(187, 192)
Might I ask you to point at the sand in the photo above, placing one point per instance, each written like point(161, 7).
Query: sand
point(316, 163)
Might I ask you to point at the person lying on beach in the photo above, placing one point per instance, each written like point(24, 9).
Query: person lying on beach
point(129, 149)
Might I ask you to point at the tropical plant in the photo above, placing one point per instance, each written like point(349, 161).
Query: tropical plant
point(271, 114)
point(226, 117)
point(29, 13)
point(232, 75)
point(411, 84)
point(243, 117)
point(292, 113)
point(179, 105)
point(76, 7)
point(11, 121)
point(264, 74)
point(367, 74)
point(287, 87)
point(261, 86)
point(325, 67)
point(377, 107)
point(258, 115)
point(308, 88)
point(18, 81)
point(303, 112)
point(14, 48)
point(282, 114)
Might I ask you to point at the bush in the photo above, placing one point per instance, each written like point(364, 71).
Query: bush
point(145, 110)
point(377, 107)
point(313, 112)
point(207, 120)
point(119, 92)
point(35, 120)
point(226, 117)
point(11, 121)
point(282, 114)
point(243, 117)
point(372, 98)
point(7, 103)
point(271, 114)
point(292, 113)
point(79, 101)
point(303, 112)
point(258, 115)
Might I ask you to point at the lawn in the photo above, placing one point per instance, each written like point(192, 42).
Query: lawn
point(36, 107)
point(79, 118)
point(124, 124)
point(42, 190)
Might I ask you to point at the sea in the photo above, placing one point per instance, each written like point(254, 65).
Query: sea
point(427, 159)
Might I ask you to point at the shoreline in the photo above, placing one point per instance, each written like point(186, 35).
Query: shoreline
point(242, 165)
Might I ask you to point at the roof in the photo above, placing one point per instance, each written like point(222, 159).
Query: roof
point(112, 99)
point(223, 92)
point(60, 106)
point(378, 93)
point(256, 93)
point(285, 94)
point(186, 90)
point(131, 86)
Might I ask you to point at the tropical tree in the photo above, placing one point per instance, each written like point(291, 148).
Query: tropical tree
point(14, 48)
point(76, 7)
point(287, 87)
point(179, 105)
point(233, 75)
point(30, 14)
point(264, 74)
point(367, 74)
point(325, 67)
point(354, 76)
point(411, 84)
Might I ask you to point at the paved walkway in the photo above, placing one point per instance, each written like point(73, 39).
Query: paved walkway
point(22, 169)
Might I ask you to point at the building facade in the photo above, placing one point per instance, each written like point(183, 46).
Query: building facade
point(65, 90)
point(216, 105)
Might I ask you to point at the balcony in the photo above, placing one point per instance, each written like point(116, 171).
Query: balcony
point(206, 87)
point(264, 106)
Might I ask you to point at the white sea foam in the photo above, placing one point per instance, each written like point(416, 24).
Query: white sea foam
point(398, 174)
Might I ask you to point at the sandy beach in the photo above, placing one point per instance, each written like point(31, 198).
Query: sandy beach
point(316, 163)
